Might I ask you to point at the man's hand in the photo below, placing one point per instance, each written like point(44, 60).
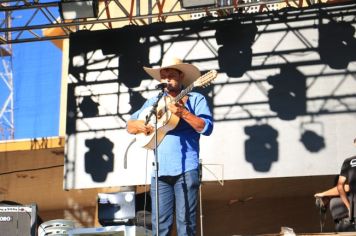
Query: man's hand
point(178, 109)
point(138, 126)
point(320, 195)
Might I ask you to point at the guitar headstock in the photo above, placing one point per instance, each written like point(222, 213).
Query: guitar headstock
point(206, 79)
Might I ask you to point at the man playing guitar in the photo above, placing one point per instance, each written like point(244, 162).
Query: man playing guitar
point(178, 150)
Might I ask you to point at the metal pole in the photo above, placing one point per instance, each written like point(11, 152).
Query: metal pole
point(201, 211)
point(156, 164)
point(156, 177)
point(200, 197)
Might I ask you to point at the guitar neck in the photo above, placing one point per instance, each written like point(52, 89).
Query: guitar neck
point(184, 92)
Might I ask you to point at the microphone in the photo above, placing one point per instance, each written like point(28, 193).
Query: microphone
point(161, 86)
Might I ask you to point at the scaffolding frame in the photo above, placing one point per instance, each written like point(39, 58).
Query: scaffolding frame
point(7, 128)
point(139, 12)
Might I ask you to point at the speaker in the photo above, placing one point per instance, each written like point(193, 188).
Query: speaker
point(18, 220)
point(197, 3)
point(116, 208)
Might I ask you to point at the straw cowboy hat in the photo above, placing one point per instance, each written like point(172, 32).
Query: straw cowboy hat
point(191, 72)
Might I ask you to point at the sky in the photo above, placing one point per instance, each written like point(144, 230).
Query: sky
point(36, 68)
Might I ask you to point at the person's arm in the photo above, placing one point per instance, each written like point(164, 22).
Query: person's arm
point(138, 126)
point(179, 110)
point(135, 124)
point(332, 192)
point(195, 111)
point(328, 193)
point(340, 187)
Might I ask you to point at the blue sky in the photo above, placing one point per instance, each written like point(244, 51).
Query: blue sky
point(37, 79)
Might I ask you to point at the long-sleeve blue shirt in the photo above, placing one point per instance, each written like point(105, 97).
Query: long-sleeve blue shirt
point(178, 152)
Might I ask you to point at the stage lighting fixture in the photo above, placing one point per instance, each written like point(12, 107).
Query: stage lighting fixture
point(288, 96)
point(78, 9)
point(312, 141)
point(197, 3)
point(261, 147)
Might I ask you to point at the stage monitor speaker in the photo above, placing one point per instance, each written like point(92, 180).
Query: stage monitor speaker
point(18, 220)
point(116, 208)
point(197, 3)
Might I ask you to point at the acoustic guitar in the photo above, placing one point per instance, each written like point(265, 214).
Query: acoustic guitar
point(167, 121)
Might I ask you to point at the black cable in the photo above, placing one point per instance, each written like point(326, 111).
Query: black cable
point(34, 169)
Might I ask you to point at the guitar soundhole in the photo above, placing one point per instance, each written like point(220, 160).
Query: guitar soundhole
point(159, 114)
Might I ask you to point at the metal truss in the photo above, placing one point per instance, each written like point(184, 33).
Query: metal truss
point(38, 20)
point(7, 129)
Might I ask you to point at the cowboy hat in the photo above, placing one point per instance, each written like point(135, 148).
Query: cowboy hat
point(191, 72)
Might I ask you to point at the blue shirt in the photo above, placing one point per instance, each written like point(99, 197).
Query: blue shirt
point(178, 152)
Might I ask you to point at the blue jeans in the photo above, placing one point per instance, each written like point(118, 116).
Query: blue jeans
point(182, 192)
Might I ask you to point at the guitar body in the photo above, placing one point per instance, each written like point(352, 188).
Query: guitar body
point(166, 121)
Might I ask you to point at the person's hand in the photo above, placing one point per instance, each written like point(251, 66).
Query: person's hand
point(178, 109)
point(319, 195)
point(142, 128)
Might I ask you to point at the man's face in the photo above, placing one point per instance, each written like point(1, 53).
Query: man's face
point(173, 78)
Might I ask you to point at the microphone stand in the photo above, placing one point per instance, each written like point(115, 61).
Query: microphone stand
point(148, 118)
point(200, 197)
